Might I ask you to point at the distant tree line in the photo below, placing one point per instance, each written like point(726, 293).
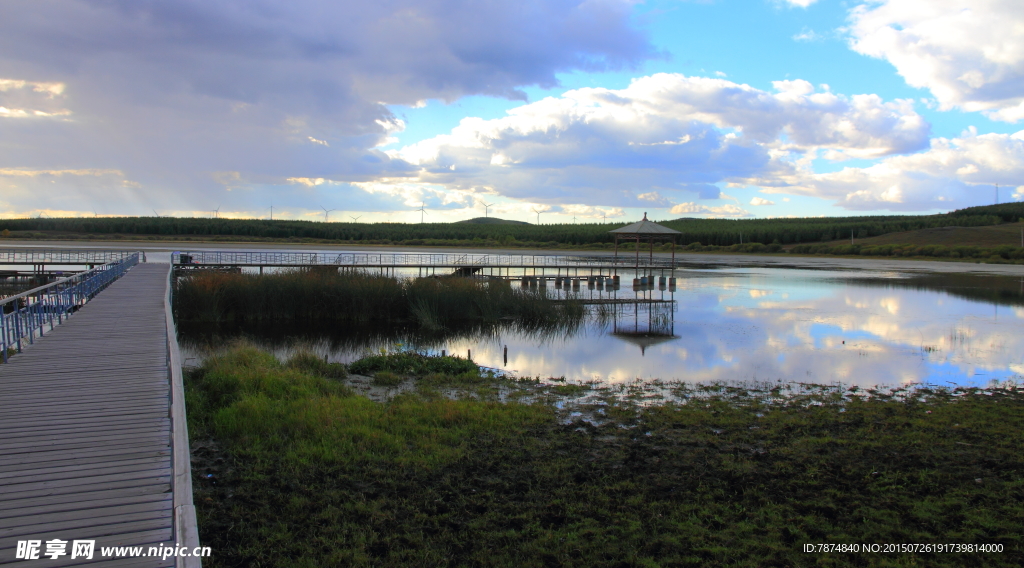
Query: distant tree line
point(707, 232)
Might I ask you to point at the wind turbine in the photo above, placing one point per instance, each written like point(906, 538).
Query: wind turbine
point(423, 211)
point(487, 207)
point(271, 212)
point(535, 210)
point(155, 213)
point(355, 218)
point(216, 212)
point(327, 212)
point(573, 219)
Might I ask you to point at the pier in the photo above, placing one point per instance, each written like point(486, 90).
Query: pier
point(93, 440)
point(426, 264)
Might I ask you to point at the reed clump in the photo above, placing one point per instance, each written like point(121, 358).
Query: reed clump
point(352, 296)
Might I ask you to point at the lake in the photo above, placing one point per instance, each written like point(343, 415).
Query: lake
point(736, 324)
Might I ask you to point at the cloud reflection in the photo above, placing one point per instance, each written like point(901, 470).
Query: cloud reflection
point(828, 331)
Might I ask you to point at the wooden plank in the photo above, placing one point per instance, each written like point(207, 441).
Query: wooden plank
point(152, 519)
point(132, 495)
point(94, 395)
point(105, 527)
point(58, 461)
point(124, 448)
point(84, 515)
point(76, 470)
point(72, 420)
point(75, 424)
point(12, 470)
point(67, 408)
point(154, 433)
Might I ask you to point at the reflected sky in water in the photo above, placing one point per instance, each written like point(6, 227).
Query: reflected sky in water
point(789, 325)
point(765, 324)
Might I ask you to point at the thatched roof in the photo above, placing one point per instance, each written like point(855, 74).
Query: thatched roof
point(645, 227)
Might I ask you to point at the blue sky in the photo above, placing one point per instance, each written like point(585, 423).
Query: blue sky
point(588, 109)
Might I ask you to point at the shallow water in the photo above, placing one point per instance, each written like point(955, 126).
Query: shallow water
point(740, 325)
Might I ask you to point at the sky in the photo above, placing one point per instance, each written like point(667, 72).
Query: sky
point(550, 111)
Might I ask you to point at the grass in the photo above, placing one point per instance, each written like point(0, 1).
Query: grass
point(992, 236)
point(352, 296)
point(412, 364)
point(292, 469)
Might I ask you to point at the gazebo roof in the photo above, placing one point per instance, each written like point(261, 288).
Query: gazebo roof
point(645, 227)
point(644, 340)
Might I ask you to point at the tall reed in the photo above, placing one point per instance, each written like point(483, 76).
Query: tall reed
point(352, 296)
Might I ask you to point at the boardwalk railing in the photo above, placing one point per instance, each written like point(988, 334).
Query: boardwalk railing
point(62, 256)
point(414, 260)
point(186, 530)
point(24, 316)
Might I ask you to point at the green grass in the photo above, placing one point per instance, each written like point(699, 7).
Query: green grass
point(413, 364)
point(293, 470)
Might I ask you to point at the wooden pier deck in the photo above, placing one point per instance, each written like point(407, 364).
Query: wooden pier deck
point(88, 430)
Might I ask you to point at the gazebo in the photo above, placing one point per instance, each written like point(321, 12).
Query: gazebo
point(645, 230)
point(659, 327)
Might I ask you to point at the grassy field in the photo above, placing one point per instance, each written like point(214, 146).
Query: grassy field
point(292, 468)
point(992, 236)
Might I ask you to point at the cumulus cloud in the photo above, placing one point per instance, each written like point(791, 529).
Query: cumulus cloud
point(171, 91)
point(662, 135)
point(692, 208)
point(968, 53)
point(761, 201)
point(952, 173)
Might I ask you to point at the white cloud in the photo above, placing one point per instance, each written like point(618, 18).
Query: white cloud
point(761, 201)
point(692, 208)
point(953, 173)
point(807, 34)
point(26, 99)
point(663, 133)
point(800, 3)
point(968, 53)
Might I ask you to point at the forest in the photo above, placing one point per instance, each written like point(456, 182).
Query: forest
point(707, 232)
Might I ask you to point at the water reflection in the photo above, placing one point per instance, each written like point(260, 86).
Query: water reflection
point(749, 324)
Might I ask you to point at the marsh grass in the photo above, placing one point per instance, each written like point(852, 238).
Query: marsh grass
point(387, 379)
point(353, 296)
point(292, 470)
point(412, 363)
point(309, 362)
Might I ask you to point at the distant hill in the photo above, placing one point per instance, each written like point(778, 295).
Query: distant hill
point(492, 221)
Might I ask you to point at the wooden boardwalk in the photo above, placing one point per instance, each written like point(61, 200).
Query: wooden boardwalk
point(86, 447)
